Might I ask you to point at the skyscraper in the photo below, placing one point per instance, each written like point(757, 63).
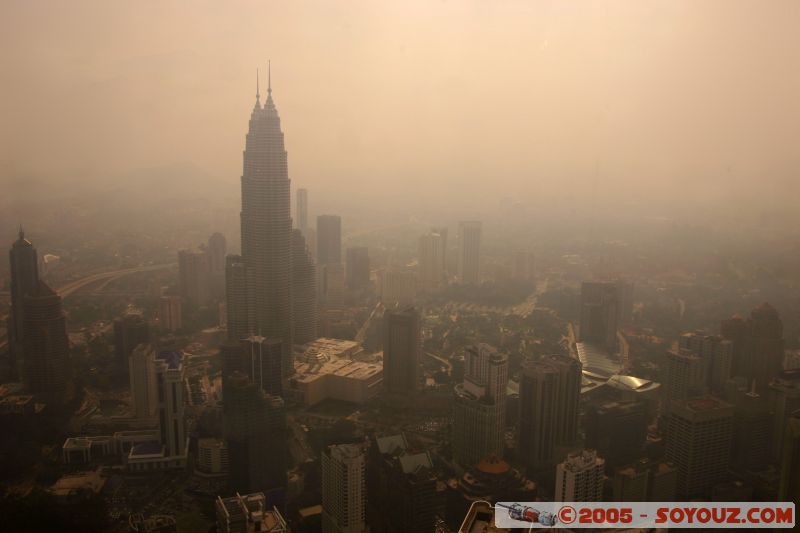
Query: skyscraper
point(357, 268)
point(789, 490)
point(442, 232)
point(402, 351)
point(24, 281)
point(617, 430)
point(344, 494)
point(239, 301)
point(685, 377)
point(130, 330)
point(333, 282)
point(304, 291)
point(599, 315)
point(169, 312)
point(171, 418)
point(329, 239)
point(263, 360)
point(267, 229)
point(716, 353)
point(431, 262)
point(45, 345)
point(142, 376)
point(469, 252)
point(699, 433)
point(302, 211)
point(194, 276)
point(579, 478)
point(758, 347)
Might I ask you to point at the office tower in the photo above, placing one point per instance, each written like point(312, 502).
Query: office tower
point(524, 267)
point(549, 394)
point(171, 418)
point(45, 345)
point(344, 494)
point(480, 406)
point(304, 291)
point(617, 430)
point(24, 281)
point(789, 490)
point(248, 513)
point(169, 311)
point(357, 267)
point(785, 400)
point(442, 232)
point(685, 377)
point(398, 287)
point(329, 239)
point(402, 351)
point(255, 430)
point(217, 251)
point(302, 211)
point(752, 428)
point(580, 478)
point(758, 347)
point(267, 228)
point(263, 362)
point(239, 301)
point(469, 252)
point(142, 376)
point(699, 433)
point(717, 354)
point(332, 285)
point(130, 330)
point(431, 263)
point(645, 481)
point(401, 487)
point(599, 314)
point(193, 276)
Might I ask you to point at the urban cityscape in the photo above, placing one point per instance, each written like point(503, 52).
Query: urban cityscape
point(282, 351)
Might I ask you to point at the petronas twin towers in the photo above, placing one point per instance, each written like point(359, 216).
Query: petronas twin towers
point(264, 305)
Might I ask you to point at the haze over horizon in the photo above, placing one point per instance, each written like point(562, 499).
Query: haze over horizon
point(676, 102)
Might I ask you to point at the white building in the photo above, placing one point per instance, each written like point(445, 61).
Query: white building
point(344, 489)
point(580, 478)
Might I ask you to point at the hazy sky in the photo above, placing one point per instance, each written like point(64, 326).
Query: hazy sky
point(499, 97)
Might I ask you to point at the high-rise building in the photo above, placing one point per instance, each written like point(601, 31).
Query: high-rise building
point(302, 211)
point(699, 433)
point(401, 487)
point(142, 376)
point(266, 229)
point(398, 287)
point(685, 377)
point(758, 347)
point(469, 252)
point(785, 400)
point(752, 428)
point(169, 312)
point(329, 239)
point(580, 477)
point(344, 494)
point(789, 490)
point(171, 418)
point(431, 262)
point(480, 406)
point(617, 430)
point(599, 316)
point(717, 354)
point(304, 291)
point(45, 345)
point(402, 351)
point(24, 281)
point(248, 513)
point(357, 267)
point(217, 250)
point(332, 285)
point(255, 431)
point(263, 362)
point(130, 330)
point(442, 232)
point(549, 394)
point(194, 276)
point(238, 299)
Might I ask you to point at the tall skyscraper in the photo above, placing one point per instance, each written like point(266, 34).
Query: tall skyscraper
point(142, 376)
point(469, 252)
point(24, 281)
point(431, 261)
point(599, 315)
point(302, 211)
point(344, 494)
point(267, 229)
point(329, 239)
point(716, 353)
point(263, 360)
point(357, 268)
point(617, 430)
point(480, 406)
point(332, 285)
point(255, 430)
point(549, 394)
point(758, 347)
point(239, 301)
point(402, 351)
point(194, 276)
point(130, 330)
point(699, 434)
point(579, 478)
point(685, 377)
point(171, 416)
point(169, 312)
point(45, 345)
point(304, 291)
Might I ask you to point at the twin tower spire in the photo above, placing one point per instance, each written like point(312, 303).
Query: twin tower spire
point(269, 84)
